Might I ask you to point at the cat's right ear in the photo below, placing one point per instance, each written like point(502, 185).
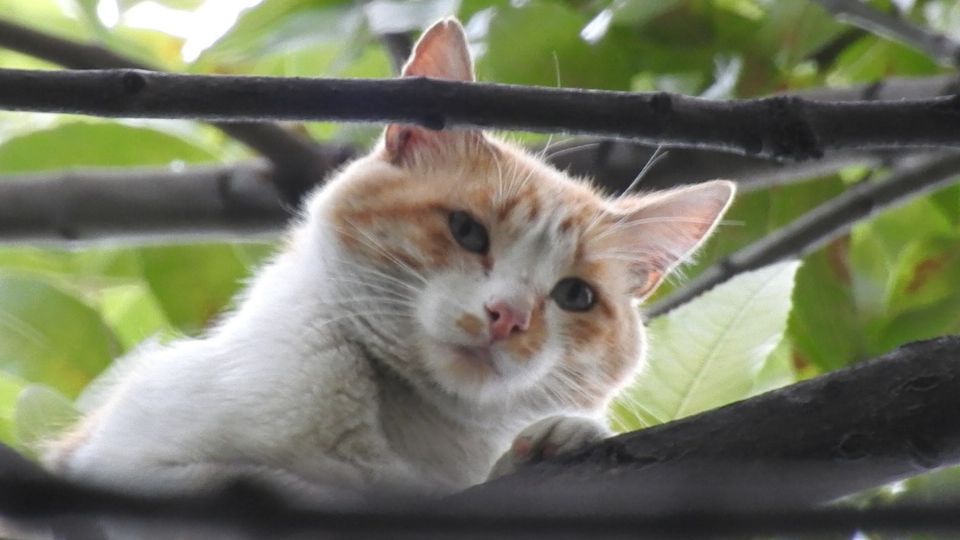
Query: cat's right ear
point(663, 229)
point(440, 53)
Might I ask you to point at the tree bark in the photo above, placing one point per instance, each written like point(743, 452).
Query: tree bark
point(759, 466)
point(786, 128)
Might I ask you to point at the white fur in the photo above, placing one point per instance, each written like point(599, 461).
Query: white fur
point(288, 391)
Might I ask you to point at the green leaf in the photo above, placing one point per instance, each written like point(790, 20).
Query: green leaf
point(824, 286)
point(134, 314)
point(189, 5)
point(938, 319)
point(708, 352)
point(41, 414)
point(530, 44)
point(283, 26)
point(926, 272)
point(84, 273)
point(193, 284)
point(88, 9)
point(776, 371)
point(392, 16)
point(96, 144)
point(10, 388)
point(49, 336)
point(933, 488)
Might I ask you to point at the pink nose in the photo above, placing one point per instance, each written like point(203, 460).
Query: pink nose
point(506, 320)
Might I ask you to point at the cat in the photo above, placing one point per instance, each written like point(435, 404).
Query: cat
point(445, 309)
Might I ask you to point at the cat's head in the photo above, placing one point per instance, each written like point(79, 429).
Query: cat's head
point(497, 275)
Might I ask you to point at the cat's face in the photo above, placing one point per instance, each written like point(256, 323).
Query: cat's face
point(496, 274)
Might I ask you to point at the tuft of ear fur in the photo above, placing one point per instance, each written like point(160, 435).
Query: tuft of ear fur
point(663, 229)
point(440, 53)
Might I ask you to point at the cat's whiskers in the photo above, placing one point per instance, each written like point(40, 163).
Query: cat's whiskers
point(359, 314)
point(371, 300)
point(572, 148)
point(376, 287)
point(373, 244)
point(499, 196)
point(656, 156)
point(355, 266)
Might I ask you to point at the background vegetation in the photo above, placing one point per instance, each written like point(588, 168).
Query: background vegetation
point(65, 314)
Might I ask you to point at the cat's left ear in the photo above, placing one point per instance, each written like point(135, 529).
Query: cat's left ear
point(440, 53)
point(661, 230)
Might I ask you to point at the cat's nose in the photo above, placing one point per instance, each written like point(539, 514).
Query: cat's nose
point(506, 320)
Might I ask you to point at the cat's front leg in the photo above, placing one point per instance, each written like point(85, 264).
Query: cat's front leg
point(549, 437)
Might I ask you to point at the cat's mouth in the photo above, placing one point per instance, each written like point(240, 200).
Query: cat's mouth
point(479, 356)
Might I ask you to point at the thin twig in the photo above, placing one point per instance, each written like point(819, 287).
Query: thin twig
point(823, 224)
point(939, 46)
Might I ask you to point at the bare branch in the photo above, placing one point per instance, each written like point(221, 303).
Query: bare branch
point(100, 205)
point(943, 49)
point(777, 127)
point(807, 443)
point(230, 203)
point(753, 468)
point(139, 205)
point(822, 224)
point(294, 155)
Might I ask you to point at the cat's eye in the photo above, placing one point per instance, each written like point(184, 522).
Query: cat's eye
point(573, 294)
point(470, 234)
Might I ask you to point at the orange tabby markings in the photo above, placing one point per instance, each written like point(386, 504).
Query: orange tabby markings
point(524, 345)
point(470, 324)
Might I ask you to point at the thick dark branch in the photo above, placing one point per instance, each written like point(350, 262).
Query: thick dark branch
point(155, 204)
point(752, 468)
point(779, 127)
point(97, 204)
point(823, 224)
point(808, 443)
point(236, 202)
point(861, 14)
point(295, 157)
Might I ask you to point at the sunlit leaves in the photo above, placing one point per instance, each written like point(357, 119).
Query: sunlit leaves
point(47, 335)
point(96, 144)
point(550, 52)
point(41, 413)
point(710, 351)
point(192, 284)
point(10, 389)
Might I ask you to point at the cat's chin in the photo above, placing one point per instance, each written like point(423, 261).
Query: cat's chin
point(476, 373)
point(479, 358)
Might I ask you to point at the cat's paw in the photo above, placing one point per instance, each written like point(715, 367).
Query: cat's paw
point(547, 438)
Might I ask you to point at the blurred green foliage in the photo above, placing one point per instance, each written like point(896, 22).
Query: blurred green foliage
point(65, 314)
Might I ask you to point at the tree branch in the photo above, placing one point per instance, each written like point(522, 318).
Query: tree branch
point(755, 467)
point(295, 157)
point(808, 443)
point(943, 49)
point(823, 224)
point(102, 202)
point(777, 127)
point(212, 202)
point(231, 203)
